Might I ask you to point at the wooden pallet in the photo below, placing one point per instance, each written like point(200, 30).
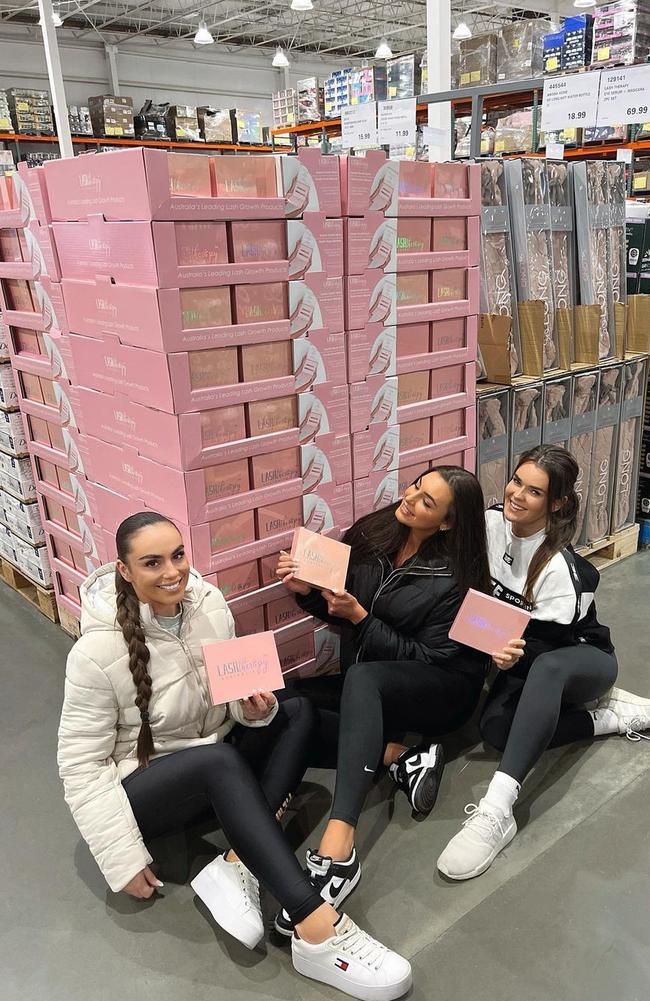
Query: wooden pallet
point(613, 549)
point(69, 623)
point(37, 595)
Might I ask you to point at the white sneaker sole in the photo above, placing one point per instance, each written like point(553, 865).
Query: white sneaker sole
point(342, 896)
point(337, 978)
point(246, 933)
point(480, 869)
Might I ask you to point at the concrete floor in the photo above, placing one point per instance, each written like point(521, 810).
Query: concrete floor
point(561, 915)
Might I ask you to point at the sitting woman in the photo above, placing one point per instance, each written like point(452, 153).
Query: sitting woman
point(410, 567)
point(142, 752)
point(565, 660)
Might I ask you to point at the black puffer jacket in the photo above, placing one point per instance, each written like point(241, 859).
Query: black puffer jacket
point(410, 612)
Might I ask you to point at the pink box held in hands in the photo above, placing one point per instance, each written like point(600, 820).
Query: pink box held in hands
point(322, 562)
point(486, 623)
point(236, 668)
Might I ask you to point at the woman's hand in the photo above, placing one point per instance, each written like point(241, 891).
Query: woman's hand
point(143, 885)
point(511, 653)
point(258, 706)
point(344, 606)
point(286, 571)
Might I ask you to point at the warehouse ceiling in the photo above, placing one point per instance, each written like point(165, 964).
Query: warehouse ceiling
point(335, 28)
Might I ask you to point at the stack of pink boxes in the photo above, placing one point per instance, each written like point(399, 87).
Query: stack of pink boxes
point(412, 302)
point(199, 297)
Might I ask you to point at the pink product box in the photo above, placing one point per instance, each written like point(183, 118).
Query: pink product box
point(329, 507)
point(74, 529)
point(275, 467)
point(43, 353)
point(452, 387)
point(236, 581)
point(77, 554)
point(278, 518)
point(326, 460)
point(315, 245)
point(373, 351)
point(271, 417)
point(316, 303)
point(298, 652)
point(28, 253)
point(310, 182)
point(452, 341)
point(319, 357)
point(249, 623)
point(176, 383)
point(407, 244)
point(23, 198)
point(414, 189)
point(324, 410)
point(36, 305)
point(373, 402)
point(404, 445)
point(35, 191)
point(163, 186)
point(410, 297)
point(283, 612)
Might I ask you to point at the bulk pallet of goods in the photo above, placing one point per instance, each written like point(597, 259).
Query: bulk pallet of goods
point(565, 355)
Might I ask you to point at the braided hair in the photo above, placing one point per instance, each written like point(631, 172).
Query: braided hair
point(128, 618)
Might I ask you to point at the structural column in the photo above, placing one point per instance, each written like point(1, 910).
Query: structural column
point(439, 74)
point(56, 78)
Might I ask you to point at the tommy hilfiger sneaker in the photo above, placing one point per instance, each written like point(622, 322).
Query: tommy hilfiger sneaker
point(232, 895)
point(355, 963)
point(417, 772)
point(335, 881)
point(483, 835)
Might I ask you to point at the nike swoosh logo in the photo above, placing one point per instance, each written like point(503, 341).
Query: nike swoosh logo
point(371, 770)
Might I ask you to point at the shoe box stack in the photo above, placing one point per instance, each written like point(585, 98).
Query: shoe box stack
point(162, 360)
point(412, 301)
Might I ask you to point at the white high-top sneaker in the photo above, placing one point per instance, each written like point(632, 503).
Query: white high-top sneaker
point(355, 963)
point(632, 712)
point(232, 895)
point(483, 835)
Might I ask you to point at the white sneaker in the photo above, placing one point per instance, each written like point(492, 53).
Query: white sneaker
point(631, 711)
point(483, 835)
point(232, 895)
point(354, 962)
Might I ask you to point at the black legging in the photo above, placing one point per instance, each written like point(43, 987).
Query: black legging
point(524, 716)
point(242, 781)
point(384, 696)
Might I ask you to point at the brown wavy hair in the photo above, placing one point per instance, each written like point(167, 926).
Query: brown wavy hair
point(562, 471)
point(128, 619)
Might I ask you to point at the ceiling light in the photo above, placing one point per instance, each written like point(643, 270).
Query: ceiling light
point(584, 3)
point(301, 5)
point(280, 60)
point(203, 35)
point(384, 50)
point(57, 20)
point(461, 32)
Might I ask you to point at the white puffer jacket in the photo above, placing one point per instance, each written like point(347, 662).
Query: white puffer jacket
point(100, 722)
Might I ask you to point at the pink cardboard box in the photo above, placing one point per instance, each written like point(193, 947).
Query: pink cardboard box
point(37, 305)
point(258, 242)
point(372, 352)
point(391, 299)
point(260, 303)
point(278, 518)
point(413, 339)
point(296, 653)
point(402, 188)
point(316, 303)
point(329, 507)
point(265, 361)
point(397, 447)
point(95, 183)
point(373, 402)
point(275, 467)
point(28, 253)
point(310, 182)
point(412, 388)
point(319, 357)
point(283, 612)
point(322, 562)
point(236, 581)
point(326, 460)
point(452, 387)
point(248, 623)
point(258, 598)
point(45, 354)
point(272, 417)
point(315, 245)
point(452, 341)
point(406, 244)
point(325, 409)
point(238, 667)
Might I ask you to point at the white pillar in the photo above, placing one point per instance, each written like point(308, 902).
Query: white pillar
point(56, 78)
point(111, 60)
point(439, 75)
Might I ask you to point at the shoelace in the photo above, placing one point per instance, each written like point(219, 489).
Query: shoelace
point(361, 946)
point(250, 886)
point(632, 733)
point(485, 823)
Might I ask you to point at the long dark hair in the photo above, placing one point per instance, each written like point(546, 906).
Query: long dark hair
point(463, 546)
point(562, 471)
point(128, 618)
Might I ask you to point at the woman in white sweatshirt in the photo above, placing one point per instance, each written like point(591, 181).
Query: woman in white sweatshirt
point(142, 752)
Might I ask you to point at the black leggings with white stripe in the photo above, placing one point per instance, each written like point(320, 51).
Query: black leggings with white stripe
point(524, 716)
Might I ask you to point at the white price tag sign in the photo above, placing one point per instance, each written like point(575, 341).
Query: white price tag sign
point(625, 155)
point(555, 151)
point(359, 125)
point(396, 122)
point(570, 101)
point(624, 95)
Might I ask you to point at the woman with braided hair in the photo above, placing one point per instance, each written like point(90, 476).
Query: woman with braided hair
point(143, 752)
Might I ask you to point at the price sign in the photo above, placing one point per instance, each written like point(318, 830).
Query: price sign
point(555, 151)
point(396, 122)
point(570, 101)
point(624, 95)
point(624, 155)
point(359, 125)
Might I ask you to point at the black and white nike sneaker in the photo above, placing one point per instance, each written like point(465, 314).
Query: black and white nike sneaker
point(417, 772)
point(335, 881)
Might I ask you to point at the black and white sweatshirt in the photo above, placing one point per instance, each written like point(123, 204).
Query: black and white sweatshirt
point(563, 610)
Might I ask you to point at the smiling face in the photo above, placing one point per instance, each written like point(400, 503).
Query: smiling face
point(157, 567)
point(526, 500)
point(425, 506)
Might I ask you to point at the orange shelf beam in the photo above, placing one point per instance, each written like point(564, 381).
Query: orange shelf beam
point(120, 141)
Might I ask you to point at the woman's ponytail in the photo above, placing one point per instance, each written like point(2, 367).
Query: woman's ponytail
point(128, 618)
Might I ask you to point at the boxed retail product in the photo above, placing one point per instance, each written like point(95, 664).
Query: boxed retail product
point(310, 182)
point(478, 60)
point(31, 111)
point(150, 122)
point(285, 107)
point(576, 47)
point(336, 90)
point(526, 420)
point(215, 124)
point(79, 118)
point(328, 507)
point(492, 442)
point(567, 137)
point(368, 83)
point(552, 51)
point(603, 464)
point(8, 392)
point(558, 411)
point(183, 123)
point(621, 33)
point(315, 244)
point(34, 305)
point(24, 520)
point(16, 477)
point(246, 126)
point(408, 244)
point(310, 100)
point(403, 77)
point(629, 444)
point(514, 133)
point(520, 49)
point(563, 253)
point(637, 239)
point(5, 113)
point(112, 116)
point(605, 134)
point(319, 357)
point(328, 459)
point(12, 433)
point(33, 562)
point(324, 410)
point(410, 297)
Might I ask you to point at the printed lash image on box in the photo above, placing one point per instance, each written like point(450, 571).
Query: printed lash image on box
point(322, 562)
point(493, 413)
point(526, 421)
point(603, 465)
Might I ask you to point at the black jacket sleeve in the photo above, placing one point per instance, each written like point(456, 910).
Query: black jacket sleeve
point(378, 641)
point(314, 604)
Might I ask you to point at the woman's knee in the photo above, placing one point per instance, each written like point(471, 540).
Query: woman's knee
point(363, 677)
point(299, 710)
point(548, 667)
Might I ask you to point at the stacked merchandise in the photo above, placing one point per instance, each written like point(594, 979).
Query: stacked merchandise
point(643, 499)
point(402, 77)
point(246, 126)
point(411, 297)
point(285, 108)
point(79, 118)
point(621, 33)
point(215, 124)
point(368, 84)
point(552, 51)
point(112, 116)
point(478, 60)
point(187, 343)
point(183, 123)
point(310, 100)
point(577, 43)
point(30, 111)
point(151, 121)
point(520, 50)
point(336, 92)
point(637, 229)
point(5, 113)
point(513, 133)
